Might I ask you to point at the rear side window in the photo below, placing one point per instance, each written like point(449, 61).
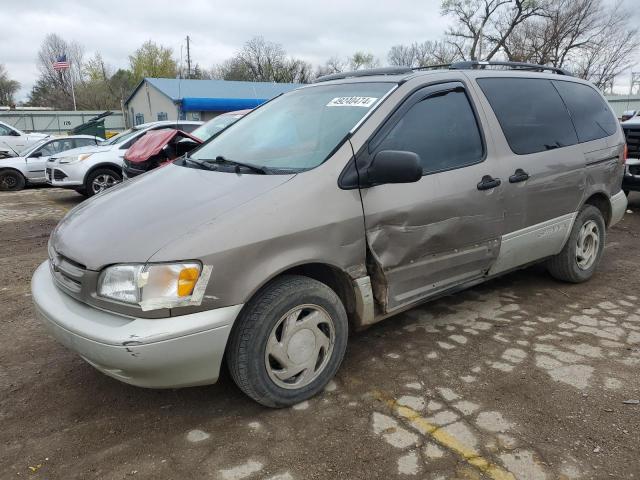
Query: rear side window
point(589, 112)
point(441, 129)
point(531, 113)
point(84, 142)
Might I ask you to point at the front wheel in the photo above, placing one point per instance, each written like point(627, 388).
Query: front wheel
point(11, 181)
point(288, 342)
point(581, 254)
point(100, 180)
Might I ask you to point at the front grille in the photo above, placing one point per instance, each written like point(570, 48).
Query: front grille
point(67, 273)
point(59, 174)
point(632, 135)
point(634, 169)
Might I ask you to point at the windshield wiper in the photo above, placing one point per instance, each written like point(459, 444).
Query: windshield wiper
point(255, 168)
point(200, 163)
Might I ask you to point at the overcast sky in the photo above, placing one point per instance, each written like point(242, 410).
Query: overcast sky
point(313, 31)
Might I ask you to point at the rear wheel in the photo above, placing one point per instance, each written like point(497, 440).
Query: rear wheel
point(11, 181)
point(581, 254)
point(288, 342)
point(100, 180)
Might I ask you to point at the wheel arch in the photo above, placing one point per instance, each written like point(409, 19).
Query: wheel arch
point(12, 169)
point(333, 277)
point(107, 165)
point(601, 201)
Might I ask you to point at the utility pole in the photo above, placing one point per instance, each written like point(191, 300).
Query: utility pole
point(188, 59)
point(635, 81)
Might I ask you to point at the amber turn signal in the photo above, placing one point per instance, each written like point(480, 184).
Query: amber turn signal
point(187, 281)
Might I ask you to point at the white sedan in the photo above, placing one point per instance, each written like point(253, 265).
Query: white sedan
point(13, 141)
point(28, 168)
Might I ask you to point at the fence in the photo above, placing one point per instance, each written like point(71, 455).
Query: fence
point(57, 122)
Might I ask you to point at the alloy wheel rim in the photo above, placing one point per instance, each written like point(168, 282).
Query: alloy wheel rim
point(588, 245)
point(102, 182)
point(8, 181)
point(299, 346)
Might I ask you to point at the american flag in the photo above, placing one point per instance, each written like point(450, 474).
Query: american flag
point(61, 63)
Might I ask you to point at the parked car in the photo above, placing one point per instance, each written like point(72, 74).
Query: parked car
point(217, 124)
point(631, 179)
point(628, 114)
point(91, 170)
point(333, 207)
point(28, 168)
point(157, 148)
point(13, 141)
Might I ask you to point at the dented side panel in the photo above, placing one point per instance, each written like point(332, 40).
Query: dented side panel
point(431, 235)
point(440, 232)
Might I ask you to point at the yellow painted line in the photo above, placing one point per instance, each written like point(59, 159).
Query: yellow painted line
point(448, 441)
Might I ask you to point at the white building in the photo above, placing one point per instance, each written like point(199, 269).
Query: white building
point(170, 98)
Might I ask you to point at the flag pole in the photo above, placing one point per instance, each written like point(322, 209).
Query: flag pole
point(73, 93)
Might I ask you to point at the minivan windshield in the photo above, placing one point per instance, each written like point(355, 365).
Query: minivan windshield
point(296, 131)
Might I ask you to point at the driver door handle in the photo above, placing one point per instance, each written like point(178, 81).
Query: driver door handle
point(488, 182)
point(519, 176)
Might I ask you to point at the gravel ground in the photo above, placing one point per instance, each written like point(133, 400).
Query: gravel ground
point(522, 377)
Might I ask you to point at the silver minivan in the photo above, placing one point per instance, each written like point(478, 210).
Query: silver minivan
point(328, 209)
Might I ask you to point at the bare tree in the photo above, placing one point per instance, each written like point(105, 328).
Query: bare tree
point(422, 54)
point(485, 25)
point(594, 40)
point(402, 55)
point(54, 86)
point(263, 61)
point(332, 65)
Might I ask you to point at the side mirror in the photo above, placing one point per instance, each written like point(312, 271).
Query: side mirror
point(394, 166)
point(37, 154)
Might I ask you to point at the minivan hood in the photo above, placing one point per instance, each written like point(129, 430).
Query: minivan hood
point(133, 220)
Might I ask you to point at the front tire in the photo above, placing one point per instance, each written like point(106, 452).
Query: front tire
point(11, 181)
point(581, 254)
point(288, 342)
point(100, 180)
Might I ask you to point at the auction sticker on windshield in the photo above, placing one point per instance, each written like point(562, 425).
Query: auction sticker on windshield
point(352, 102)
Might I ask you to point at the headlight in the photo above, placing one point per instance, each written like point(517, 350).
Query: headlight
point(75, 158)
point(154, 286)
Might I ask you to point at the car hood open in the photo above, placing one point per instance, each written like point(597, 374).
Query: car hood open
point(132, 221)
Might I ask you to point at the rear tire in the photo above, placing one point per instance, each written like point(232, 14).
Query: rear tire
point(11, 181)
point(288, 342)
point(100, 180)
point(581, 254)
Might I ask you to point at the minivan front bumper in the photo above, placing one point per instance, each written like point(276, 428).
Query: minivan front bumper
point(169, 352)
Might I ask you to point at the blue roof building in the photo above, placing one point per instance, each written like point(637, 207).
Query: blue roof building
point(170, 98)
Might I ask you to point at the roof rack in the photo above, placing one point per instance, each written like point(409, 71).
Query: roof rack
point(365, 73)
point(471, 65)
point(466, 65)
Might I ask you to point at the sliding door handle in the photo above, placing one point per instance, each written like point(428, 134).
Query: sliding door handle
point(519, 176)
point(488, 182)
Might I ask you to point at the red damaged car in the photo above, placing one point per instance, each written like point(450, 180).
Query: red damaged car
point(156, 148)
